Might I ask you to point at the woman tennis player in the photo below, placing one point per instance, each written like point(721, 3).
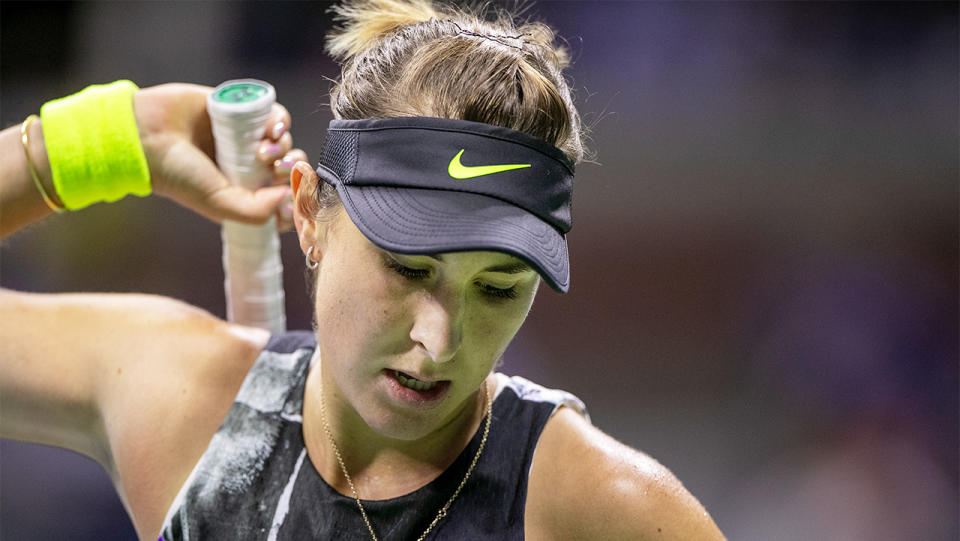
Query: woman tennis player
point(440, 203)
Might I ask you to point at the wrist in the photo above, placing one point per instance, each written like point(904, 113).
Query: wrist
point(37, 151)
point(93, 146)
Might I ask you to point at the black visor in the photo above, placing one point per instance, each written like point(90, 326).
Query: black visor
point(417, 185)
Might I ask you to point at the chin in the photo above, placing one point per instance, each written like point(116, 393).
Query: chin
point(404, 429)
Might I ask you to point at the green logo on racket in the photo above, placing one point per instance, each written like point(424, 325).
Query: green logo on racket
point(240, 93)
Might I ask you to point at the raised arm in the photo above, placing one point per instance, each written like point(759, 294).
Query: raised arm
point(136, 382)
point(178, 144)
point(54, 348)
point(68, 361)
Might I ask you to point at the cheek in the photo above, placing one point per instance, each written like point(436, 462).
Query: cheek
point(492, 331)
point(356, 318)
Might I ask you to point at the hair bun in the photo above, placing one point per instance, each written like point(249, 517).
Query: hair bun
point(402, 58)
point(362, 22)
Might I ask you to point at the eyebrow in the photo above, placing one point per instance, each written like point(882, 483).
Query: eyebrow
point(516, 267)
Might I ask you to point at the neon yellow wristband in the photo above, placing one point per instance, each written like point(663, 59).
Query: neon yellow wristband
point(94, 147)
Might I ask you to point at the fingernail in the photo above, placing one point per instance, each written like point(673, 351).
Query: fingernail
point(286, 164)
point(268, 149)
point(278, 129)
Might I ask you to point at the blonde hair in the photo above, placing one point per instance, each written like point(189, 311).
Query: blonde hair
point(419, 58)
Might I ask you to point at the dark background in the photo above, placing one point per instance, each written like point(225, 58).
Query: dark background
point(764, 257)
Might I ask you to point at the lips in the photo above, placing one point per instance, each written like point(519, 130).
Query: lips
point(412, 390)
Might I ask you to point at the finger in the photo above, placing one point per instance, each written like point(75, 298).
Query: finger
point(285, 143)
point(269, 151)
point(189, 177)
point(285, 213)
point(278, 122)
point(242, 205)
point(283, 166)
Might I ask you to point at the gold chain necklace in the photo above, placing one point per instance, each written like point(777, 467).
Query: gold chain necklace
point(446, 507)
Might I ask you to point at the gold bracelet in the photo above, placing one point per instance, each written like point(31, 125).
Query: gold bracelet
point(25, 139)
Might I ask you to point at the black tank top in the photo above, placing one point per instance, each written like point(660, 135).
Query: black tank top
point(255, 481)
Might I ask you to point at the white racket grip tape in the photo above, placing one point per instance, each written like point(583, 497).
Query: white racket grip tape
point(253, 272)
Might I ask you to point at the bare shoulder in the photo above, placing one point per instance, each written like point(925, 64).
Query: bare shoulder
point(172, 363)
point(170, 378)
point(164, 394)
point(586, 485)
point(137, 382)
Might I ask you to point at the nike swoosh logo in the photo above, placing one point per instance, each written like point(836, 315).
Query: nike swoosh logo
point(459, 171)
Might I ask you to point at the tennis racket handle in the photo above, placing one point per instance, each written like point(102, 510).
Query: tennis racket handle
point(253, 272)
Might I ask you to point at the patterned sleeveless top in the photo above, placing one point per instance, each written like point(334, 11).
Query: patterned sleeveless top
point(255, 481)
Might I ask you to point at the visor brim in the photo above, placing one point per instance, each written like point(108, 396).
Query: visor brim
point(428, 221)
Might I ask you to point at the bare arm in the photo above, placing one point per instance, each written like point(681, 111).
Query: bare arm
point(139, 383)
point(47, 387)
point(175, 132)
point(586, 485)
point(63, 358)
point(53, 347)
point(20, 201)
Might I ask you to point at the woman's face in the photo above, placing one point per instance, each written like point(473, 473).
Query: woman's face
point(408, 340)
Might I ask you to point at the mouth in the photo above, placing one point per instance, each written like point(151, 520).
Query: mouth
point(409, 388)
point(411, 382)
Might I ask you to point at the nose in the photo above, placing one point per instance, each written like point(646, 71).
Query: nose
point(438, 326)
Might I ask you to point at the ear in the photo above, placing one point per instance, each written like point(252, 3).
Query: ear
point(297, 173)
point(303, 181)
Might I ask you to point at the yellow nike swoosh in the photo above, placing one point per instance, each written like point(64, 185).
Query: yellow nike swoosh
point(459, 171)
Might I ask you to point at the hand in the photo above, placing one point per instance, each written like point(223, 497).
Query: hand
point(178, 142)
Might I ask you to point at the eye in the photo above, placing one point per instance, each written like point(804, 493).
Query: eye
point(406, 272)
point(509, 293)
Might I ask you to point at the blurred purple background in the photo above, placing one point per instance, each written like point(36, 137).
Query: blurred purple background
point(765, 258)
